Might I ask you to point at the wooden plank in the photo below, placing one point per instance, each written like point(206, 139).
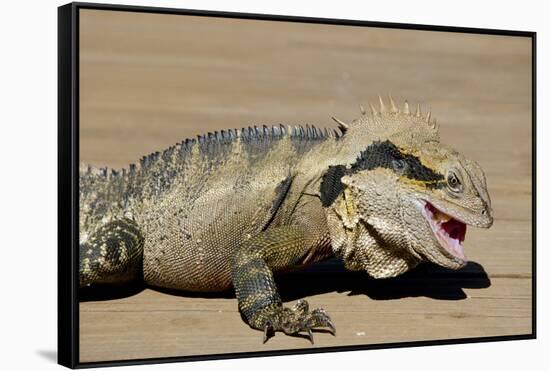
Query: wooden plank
point(153, 324)
point(149, 81)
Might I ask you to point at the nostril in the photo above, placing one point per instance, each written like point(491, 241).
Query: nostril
point(484, 212)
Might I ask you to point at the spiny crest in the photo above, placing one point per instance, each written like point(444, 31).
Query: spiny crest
point(341, 125)
point(388, 121)
point(394, 111)
point(213, 143)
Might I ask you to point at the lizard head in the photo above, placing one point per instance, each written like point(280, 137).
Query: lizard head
point(399, 204)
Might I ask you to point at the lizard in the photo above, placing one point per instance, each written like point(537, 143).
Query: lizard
point(231, 208)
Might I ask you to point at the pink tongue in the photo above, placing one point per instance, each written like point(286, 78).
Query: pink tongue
point(455, 229)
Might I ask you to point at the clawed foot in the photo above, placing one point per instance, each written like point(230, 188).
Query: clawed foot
point(292, 321)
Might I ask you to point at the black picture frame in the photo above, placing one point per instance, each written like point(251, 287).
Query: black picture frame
point(68, 165)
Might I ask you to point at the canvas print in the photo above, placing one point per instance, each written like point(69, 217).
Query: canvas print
point(253, 185)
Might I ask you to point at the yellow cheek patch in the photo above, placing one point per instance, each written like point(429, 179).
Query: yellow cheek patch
point(350, 208)
point(346, 210)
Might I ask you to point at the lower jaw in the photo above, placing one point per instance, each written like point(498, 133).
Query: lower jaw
point(451, 263)
point(443, 258)
point(461, 260)
point(453, 257)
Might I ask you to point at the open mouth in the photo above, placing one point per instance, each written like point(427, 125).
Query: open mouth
point(450, 233)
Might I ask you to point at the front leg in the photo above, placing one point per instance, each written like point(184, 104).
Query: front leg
point(252, 269)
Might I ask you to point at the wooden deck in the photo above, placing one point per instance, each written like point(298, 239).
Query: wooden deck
point(149, 81)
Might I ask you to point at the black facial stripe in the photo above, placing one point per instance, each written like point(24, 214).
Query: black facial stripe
point(387, 155)
point(378, 155)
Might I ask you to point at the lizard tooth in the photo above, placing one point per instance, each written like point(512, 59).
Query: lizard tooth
point(428, 117)
point(441, 217)
point(362, 109)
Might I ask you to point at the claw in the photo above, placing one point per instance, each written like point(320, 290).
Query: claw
point(331, 328)
point(310, 335)
point(295, 320)
point(322, 319)
point(268, 332)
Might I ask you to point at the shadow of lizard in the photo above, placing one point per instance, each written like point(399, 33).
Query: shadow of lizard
point(428, 280)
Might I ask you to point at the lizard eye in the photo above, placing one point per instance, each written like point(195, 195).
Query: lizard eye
point(399, 166)
point(453, 181)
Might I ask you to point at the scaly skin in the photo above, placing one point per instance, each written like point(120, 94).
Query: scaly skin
point(232, 208)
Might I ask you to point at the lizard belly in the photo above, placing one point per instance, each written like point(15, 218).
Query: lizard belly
point(188, 266)
point(194, 253)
